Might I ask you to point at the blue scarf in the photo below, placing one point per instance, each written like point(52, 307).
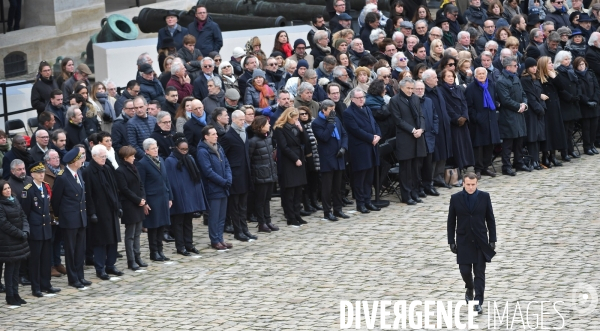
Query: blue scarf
point(487, 98)
point(509, 73)
point(202, 119)
point(335, 132)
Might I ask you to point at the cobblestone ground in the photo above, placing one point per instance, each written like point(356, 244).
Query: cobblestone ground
point(547, 222)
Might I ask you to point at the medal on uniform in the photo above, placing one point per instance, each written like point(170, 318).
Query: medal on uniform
point(24, 195)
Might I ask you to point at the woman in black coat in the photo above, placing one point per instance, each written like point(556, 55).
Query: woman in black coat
point(163, 134)
point(555, 133)
point(133, 199)
point(289, 136)
point(534, 116)
point(313, 164)
point(456, 105)
point(590, 97)
point(569, 94)
point(14, 230)
point(103, 212)
point(263, 170)
point(44, 84)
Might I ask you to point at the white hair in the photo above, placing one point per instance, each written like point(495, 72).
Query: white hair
point(288, 63)
point(382, 70)
point(560, 56)
point(320, 34)
point(491, 43)
point(37, 133)
point(97, 149)
point(175, 67)
point(217, 81)
point(480, 68)
point(375, 33)
point(395, 59)
point(428, 74)
point(108, 81)
point(462, 33)
point(237, 114)
point(593, 38)
point(367, 9)
point(438, 29)
point(148, 142)
point(398, 34)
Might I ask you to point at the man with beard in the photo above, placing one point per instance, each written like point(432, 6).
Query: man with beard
point(299, 54)
point(284, 102)
point(318, 24)
point(57, 108)
point(341, 77)
point(170, 105)
point(18, 151)
point(215, 95)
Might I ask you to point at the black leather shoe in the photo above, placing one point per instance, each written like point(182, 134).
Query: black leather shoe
point(478, 309)
point(305, 213)
point(488, 172)
point(252, 219)
point(229, 229)
point(330, 217)
point(339, 213)
point(301, 221)
point(163, 256)
point(589, 152)
point(523, 167)
point(140, 262)
point(103, 275)
point(197, 214)
point(316, 206)
point(478, 175)
point(418, 200)
point(250, 235)
point(154, 256)
point(85, 282)
point(2, 288)
point(37, 294)
point(18, 298)
point(119, 256)
point(431, 191)
point(192, 250)
point(574, 155)
point(241, 237)
point(273, 227)
point(422, 193)
point(52, 290)
point(114, 271)
point(566, 158)
point(263, 227)
point(370, 206)
point(167, 238)
point(133, 266)
point(24, 281)
point(411, 202)
point(347, 201)
point(76, 285)
point(183, 252)
point(362, 209)
point(469, 295)
point(555, 162)
point(509, 172)
point(595, 150)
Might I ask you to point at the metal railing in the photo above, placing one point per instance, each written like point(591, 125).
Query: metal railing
point(3, 87)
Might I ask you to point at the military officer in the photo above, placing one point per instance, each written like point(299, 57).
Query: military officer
point(470, 212)
point(69, 206)
point(35, 201)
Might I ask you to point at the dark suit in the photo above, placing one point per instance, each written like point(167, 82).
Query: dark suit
point(68, 204)
point(237, 152)
point(36, 207)
point(468, 217)
point(192, 129)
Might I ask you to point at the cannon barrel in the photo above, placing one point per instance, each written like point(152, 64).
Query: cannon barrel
point(151, 20)
point(114, 28)
point(264, 9)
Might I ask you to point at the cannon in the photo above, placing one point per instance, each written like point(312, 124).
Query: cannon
point(264, 9)
point(113, 28)
point(151, 20)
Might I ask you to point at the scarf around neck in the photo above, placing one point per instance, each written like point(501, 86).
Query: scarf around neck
point(570, 72)
point(335, 133)
point(239, 131)
point(488, 102)
point(201, 119)
point(509, 73)
point(186, 160)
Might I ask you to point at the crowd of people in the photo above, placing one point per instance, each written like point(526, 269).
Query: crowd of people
point(216, 138)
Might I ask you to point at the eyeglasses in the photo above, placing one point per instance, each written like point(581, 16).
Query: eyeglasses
point(217, 60)
point(435, 35)
point(386, 76)
point(402, 59)
point(272, 64)
point(207, 66)
point(166, 122)
point(300, 47)
point(302, 114)
point(451, 64)
point(359, 98)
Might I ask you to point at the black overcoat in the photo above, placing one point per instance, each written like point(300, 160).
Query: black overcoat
point(102, 200)
point(556, 139)
point(590, 91)
point(568, 94)
point(12, 225)
point(443, 138)
point(289, 150)
point(361, 127)
point(131, 192)
point(328, 145)
point(510, 95)
point(470, 226)
point(456, 106)
point(534, 116)
point(236, 151)
point(407, 116)
point(483, 122)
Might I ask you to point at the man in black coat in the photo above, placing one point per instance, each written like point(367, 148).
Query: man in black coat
point(57, 108)
point(250, 63)
point(410, 139)
point(443, 138)
point(131, 91)
point(18, 151)
point(170, 105)
point(469, 212)
point(118, 132)
point(74, 128)
point(192, 129)
point(201, 82)
point(36, 206)
point(235, 145)
point(68, 204)
point(511, 120)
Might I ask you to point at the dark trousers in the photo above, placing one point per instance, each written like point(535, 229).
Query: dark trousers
point(291, 201)
point(14, 14)
point(589, 128)
point(132, 240)
point(236, 210)
point(11, 277)
point(427, 171)
point(155, 238)
point(330, 190)
point(181, 225)
point(262, 195)
point(24, 268)
point(569, 127)
point(251, 203)
point(39, 264)
point(483, 157)
point(74, 240)
point(479, 270)
point(509, 146)
point(216, 219)
point(89, 248)
point(105, 256)
point(410, 177)
point(439, 168)
point(362, 185)
point(534, 151)
point(56, 245)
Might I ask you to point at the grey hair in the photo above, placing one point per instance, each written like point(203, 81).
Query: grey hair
point(148, 142)
point(375, 33)
point(139, 97)
point(338, 71)
point(161, 114)
point(491, 43)
point(15, 163)
point(108, 81)
point(381, 70)
point(175, 67)
point(561, 56)
point(320, 34)
point(508, 60)
point(237, 114)
point(98, 148)
point(406, 80)
point(326, 104)
point(553, 36)
point(533, 33)
point(438, 29)
point(288, 63)
point(39, 131)
point(395, 58)
point(505, 52)
point(71, 111)
point(428, 74)
point(217, 81)
point(398, 34)
point(47, 154)
point(143, 58)
point(419, 81)
point(367, 9)
point(462, 33)
point(421, 22)
point(354, 41)
point(488, 54)
point(352, 93)
point(310, 73)
point(126, 102)
point(305, 86)
point(212, 62)
point(480, 68)
point(593, 38)
point(545, 24)
point(449, 51)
